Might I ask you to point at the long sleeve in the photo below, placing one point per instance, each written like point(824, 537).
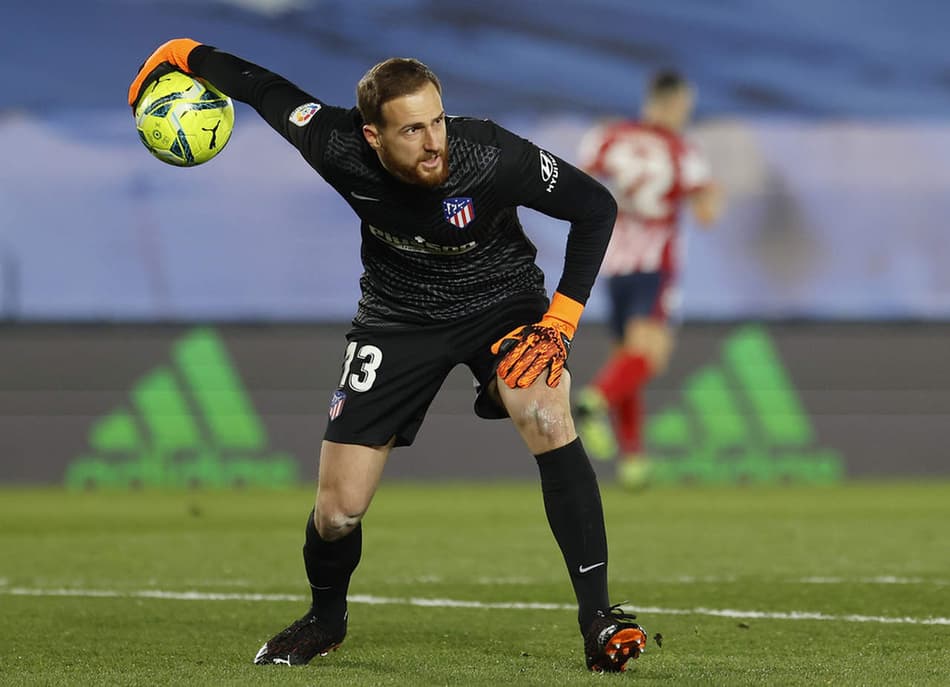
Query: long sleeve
point(541, 181)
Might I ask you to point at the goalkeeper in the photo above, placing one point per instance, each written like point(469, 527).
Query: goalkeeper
point(449, 278)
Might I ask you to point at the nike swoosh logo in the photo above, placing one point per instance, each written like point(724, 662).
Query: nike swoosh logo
point(362, 197)
point(588, 568)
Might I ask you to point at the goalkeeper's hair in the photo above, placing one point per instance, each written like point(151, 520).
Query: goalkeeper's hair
point(390, 79)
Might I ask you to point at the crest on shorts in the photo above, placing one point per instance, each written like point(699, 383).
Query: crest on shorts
point(458, 211)
point(336, 403)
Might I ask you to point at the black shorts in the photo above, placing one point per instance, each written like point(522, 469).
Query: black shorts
point(391, 375)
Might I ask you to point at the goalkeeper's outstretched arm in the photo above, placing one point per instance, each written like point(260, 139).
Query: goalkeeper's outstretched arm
point(273, 96)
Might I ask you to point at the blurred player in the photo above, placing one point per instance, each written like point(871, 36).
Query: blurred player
point(449, 278)
point(652, 172)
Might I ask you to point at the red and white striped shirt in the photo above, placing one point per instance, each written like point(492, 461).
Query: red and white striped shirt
point(650, 170)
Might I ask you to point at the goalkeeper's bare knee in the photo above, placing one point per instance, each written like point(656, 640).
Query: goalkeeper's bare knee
point(334, 523)
point(546, 426)
point(541, 415)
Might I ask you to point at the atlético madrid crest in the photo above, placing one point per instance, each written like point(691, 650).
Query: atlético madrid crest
point(458, 211)
point(336, 403)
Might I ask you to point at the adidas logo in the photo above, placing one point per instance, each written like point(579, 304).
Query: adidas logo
point(741, 422)
point(189, 424)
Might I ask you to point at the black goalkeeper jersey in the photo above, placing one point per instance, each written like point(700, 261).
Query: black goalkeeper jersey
point(433, 254)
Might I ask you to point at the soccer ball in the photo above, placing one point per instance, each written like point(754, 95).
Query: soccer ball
point(183, 120)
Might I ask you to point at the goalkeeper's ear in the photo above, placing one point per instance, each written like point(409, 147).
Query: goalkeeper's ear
point(174, 53)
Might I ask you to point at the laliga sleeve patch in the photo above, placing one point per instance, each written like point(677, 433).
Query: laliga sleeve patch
point(304, 113)
point(548, 170)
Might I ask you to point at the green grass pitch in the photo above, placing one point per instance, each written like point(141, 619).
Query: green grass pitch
point(797, 586)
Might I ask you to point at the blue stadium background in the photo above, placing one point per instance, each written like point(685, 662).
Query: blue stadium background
point(826, 122)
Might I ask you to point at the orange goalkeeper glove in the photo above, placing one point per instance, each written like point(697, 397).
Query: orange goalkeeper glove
point(175, 53)
point(531, 349)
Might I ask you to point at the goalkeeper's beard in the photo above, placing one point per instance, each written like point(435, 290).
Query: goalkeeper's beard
point(414, 173)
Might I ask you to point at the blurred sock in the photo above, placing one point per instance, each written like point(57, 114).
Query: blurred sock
point(628, 420)
point(625, 371)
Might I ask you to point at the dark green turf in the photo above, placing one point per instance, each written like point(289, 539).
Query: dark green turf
point(720, 549)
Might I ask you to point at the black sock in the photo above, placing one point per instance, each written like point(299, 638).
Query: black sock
point(329, 567)
point(572, 504)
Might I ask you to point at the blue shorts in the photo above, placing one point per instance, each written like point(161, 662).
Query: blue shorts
point(635, 295)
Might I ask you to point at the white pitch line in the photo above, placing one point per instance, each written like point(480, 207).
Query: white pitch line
point(456, 603)
point(881, 579)
point(707, 579)
point(812, 579)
